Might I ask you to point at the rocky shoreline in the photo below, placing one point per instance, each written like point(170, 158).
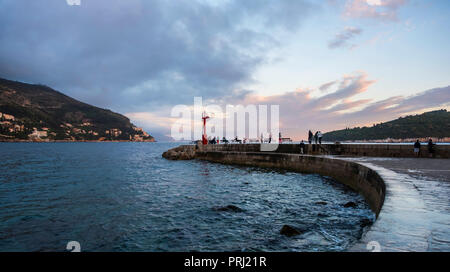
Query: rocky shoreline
point(184, 152)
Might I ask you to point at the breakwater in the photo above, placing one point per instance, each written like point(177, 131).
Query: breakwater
point(357, 150)
point(408, 219)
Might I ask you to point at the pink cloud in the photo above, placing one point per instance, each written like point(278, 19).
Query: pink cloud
point(301, 111)
point(375, 9)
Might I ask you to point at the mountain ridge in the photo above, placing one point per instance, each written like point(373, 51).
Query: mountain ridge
point(34, 112)
point(433, 124)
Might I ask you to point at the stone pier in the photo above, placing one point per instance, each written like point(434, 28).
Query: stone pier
point(359, 150)
point(408, 195)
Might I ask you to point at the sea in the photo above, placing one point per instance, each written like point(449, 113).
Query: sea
point(109, 197)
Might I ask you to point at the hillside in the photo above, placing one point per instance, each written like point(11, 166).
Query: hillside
point(36, 112)
point(430, 124)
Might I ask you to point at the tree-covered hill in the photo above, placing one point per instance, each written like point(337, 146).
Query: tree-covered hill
point(429, 124)
point(36, 112)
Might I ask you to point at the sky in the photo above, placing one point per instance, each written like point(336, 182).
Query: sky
point(328, 64)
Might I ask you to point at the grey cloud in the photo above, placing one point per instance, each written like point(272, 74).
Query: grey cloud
point(327, 85)
point(287, 14)
point(342, 39)
point(349, 87)
point(136, 54)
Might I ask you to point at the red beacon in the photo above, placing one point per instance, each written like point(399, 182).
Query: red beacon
point(204, 136)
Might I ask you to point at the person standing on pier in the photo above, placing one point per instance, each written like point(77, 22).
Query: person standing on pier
point(302, 147)
point(319, 135)
point(310, 137)
point(431, 148)
point(417, 148)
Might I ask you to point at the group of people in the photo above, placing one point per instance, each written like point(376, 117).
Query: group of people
point(216, 140)
point(317, 137)
point(430, 146)
point(244, 140)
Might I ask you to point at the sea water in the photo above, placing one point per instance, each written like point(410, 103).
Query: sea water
point(126, 197)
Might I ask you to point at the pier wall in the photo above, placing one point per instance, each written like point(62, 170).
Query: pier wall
point(358, 150)
point(360, 178)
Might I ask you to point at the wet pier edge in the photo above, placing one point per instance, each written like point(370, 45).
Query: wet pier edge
point(408, 195)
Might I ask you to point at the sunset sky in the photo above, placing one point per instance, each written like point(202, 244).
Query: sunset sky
point(328, 64)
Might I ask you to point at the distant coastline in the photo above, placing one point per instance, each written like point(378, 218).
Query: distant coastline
point(433, 124)
point(396, 141)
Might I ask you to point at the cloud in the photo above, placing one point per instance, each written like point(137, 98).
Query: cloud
point(303, 103)
point(157, 123)
point(385, 10)
point(141, 54)
point(327, 85)
point(342, 38)
point(379, 10)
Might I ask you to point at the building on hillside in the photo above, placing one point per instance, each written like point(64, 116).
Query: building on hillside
point(76, 130)
point(38, 134)
point(19, 128)
point(115, 132)
point(138, 138)
point(5, 123)
point(141, 130)
point(8, 117)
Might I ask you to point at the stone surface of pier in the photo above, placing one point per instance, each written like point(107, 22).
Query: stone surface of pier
point(416, 211)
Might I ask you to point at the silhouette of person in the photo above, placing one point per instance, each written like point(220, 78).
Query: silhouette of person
point(302, 147)
point(319, 135)
point(431, 148)
point(417, 148)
